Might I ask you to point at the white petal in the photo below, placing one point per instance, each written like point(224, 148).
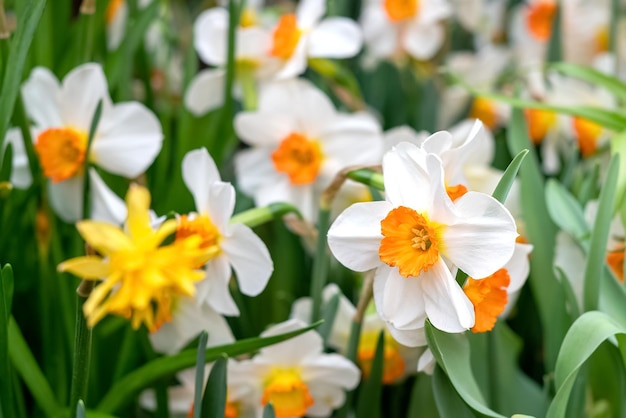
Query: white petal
point(403, 134)
point(426, 362)
point(80, 93)
point(423, 41)
point(335, 37)
point(380, 35)
point(254, 168)
point(214, 288)
point(105, 205)
point(326, 397)
point(206, 91)
point(210, 35)
point(128, 140)
point(403, 302)
point(297, 63)
point(331, 369)
point(518, 266)
point(482, 147)
point(415, 337)
point(66, 198)
point(447, 306)
point(294, 350)
point(250, 259)
point(116, 28)
point(301, 309)
point(263, 129)
point(199, 173)
point(438, 143)
point(354, 237)
point(41, 93)
point(483, 238)
point(221, 204)
point(21, 176)
point(310, 12)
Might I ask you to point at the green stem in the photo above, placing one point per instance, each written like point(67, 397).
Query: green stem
point(87, 22)
point(248, 87)
point(320, 264)
point(82, 350)
point(92, 131)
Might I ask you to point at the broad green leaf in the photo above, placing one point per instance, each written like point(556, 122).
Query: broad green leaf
point(6, 385)
point(599, 237)
point(582, 339)
point(214, 400)
point(449, 404)
point(26, 25)
point(371, 390)
point(422, 403)
point(368, 177)
point(24, 362)
point(127, 387)
point(508, 178)
point(452, 352)
point(199, 384)
point(566, 212)
point(611, 84)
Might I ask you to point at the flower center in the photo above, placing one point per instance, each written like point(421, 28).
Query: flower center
point(456, 191)
point(248, 18)
point(287, 392)
point(539, 19)
point(615, 260)
point(286, 37)
point(112, 9)
point(398, 10)
point(201, 226)
point(587, 133)
point(489, 298)
point(484, 110)
point(410, 242)
point(61, 152)
point(299, 157)
point(539, 123)
point(394, 365)
point(602, 39)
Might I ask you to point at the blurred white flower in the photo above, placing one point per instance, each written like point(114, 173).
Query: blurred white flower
point(21, 176)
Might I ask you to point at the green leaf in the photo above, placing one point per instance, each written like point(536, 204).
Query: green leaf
point(582, 339)
point(329, 313)
point(371, 390)
point(214, 400)
point(613, 298)
point(592, 76)
point(6, 163)
point(20, 44)
point(197, 395)
point(618, 147)
point(555, 43)
point(127, 387)
point(452, 352)
point(599, 238)
point(449, 404)
point(6, 373)
point(422, 402)
point(319, 275)
point(368, 177)
point(506, 182)
point(268, 411)
point(566, 212)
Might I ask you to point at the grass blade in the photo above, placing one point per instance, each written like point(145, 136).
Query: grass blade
point(214, 400)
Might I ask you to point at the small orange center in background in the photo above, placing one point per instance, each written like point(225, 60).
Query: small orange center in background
point(112, 9)
point(394, 365)
point(489, 298)
point(615, 260)
point(299, 157)
point(231, 410)
point(61, 152)
point(587, 133)
point(539, 18)
point(286, 37)
point(410, 242)
point(539, 123)
point(602, 39)
point(287, 392)
point(484, 110)
point(454, 192)
point(398, 10)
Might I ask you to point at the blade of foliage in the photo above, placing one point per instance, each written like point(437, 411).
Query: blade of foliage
point(597, 78)
point(319, 274)
point(449, 404)
point(422, 403)
point(24, 362)
point(197, 394)
point(368, 177)
point(6, 164)
point(582, 339)
point(127, 387)
point(599, 237)
point(268, 411)
point(371, 390)
point(555, 43)
point(80, 410)
point(329, 314)
point(214, 400)
point(352, 352)
point(26, 25)
point(570, 295)
point(613, 298)
point(506, 182)
point(541, 231)
point(6, 384)
point(607, 378)
point(618, 147)
point(452, 352)
point(566, 212)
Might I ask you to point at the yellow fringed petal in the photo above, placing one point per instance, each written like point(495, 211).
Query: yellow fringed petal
point(103, 237)
point(88, 267)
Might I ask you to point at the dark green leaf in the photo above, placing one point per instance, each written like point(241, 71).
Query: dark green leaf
point(6, 373)
point(371, 390)
point(329, 313)
point(214, 400)
point(449, 404)
point(197, 395)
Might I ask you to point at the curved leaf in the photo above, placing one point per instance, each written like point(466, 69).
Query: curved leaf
point(612, 84)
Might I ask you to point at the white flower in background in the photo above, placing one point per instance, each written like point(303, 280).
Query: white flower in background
point(304, 34)
point(409, 238)
point(392, 27)
point(296, 376)
point(116, 18)
point(531, 28)
point(21, 176)
point(585, 30)
point(400, 361)
point(299, 143)
point(240, 249)
point(485, 19)
point(127, 139)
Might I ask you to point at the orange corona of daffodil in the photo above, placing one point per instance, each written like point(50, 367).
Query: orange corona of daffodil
point(140, 276)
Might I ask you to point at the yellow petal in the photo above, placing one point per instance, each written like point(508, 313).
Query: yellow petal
point(103, 237)
point(138, 203)
point(87, 267)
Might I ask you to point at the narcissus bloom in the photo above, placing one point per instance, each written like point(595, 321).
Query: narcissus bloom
point(296, 376)
point(126, 141)
point(140, 276)
point(299, 143)
point(238, 246)
point(411, 236)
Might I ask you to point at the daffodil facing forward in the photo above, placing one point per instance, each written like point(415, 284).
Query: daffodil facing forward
point(140, 276)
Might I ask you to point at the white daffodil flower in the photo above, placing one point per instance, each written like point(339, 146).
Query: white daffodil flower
point(127, 139)
point(409, 238)
point(392, 27)
point(299, 143)
point(240, 249)
point(296, 376)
